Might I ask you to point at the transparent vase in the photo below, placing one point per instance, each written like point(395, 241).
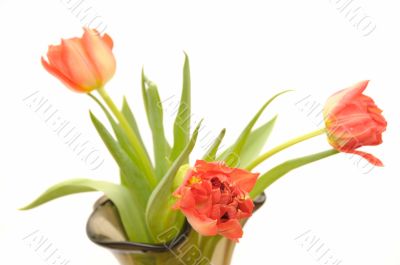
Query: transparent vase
point(189, 248)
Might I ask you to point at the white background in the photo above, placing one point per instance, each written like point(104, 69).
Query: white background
point(242, 52)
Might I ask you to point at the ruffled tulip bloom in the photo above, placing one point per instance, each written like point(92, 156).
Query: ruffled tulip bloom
point(353, 120)
point(82, 64)
point(214, 197)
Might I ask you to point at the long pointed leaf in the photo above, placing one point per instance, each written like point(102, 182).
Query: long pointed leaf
point(275, 173)
point(128, 179)
point(121, 136)
point(232, 157)
point(132, 176)
point(131, 216)
point(212, 151)
point(154, 111)
point(182, 121)
point(256, 142)
point(159, 214)
point(127, 112)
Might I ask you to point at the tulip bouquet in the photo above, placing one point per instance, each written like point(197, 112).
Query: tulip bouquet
point(214, 196)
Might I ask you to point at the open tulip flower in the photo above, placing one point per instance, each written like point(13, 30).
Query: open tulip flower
point(215, 198)
point(159, 189)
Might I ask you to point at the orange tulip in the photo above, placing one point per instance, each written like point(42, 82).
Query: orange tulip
point(82, 64)
point(353, 120)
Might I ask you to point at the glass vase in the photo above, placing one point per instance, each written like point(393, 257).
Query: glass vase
point(189, 248)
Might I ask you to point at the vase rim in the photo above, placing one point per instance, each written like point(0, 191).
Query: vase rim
point(128, 246)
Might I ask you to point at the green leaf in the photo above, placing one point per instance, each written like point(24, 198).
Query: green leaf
point(275, 173)
point(212, 151)
point(131, 216)
point(256, 142)
point(131, 136)
point(132, 177)
point(127, 178)
point(232, 156)
point(159, 215)
point(127, 112)
point(154, 111)
point(182, 121)
point(119, 133)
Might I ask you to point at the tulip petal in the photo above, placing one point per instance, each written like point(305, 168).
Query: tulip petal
point(231, 229)
point(54, 55)
point(108, 40)
point(99, 52)
point(353, 131)
point(246, 208)
point(203, 166)
point(203, 225)
point(187, 200)
point(244, 179)
point(56, 73)
point(371, 158)
point(344, 95)
point(355, 90)
point(80, 68)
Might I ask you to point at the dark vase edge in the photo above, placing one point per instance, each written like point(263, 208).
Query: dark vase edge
point(127, 246)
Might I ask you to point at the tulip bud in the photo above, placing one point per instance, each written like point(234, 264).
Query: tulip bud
point(82, 64)
point(353, 120)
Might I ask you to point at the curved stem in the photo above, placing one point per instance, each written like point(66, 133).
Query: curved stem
point(229, 249)
point(132, 137)
point(280, 170)
point(283, 146)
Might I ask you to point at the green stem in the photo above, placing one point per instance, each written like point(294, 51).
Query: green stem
point(132, 137)
point(208, 246)
point(283, 146)
point(229, 248)
point(279, 171)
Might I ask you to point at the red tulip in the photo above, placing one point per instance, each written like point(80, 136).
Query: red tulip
point(82, 64)
point(353, 120)
point(214, 197)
